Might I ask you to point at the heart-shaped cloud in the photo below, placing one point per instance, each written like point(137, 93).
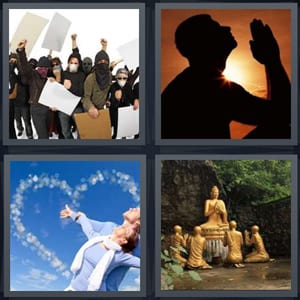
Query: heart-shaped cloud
point(35, 182)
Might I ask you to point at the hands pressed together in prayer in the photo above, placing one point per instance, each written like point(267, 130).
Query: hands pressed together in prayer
point(263, 45)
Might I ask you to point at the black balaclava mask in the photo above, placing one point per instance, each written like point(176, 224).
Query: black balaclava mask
point(102, 71)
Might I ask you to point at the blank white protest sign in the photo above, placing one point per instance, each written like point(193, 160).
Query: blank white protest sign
point(130, 53)
point(56, 95)
point(128, 122)
point(56, 33)
point(29, 29)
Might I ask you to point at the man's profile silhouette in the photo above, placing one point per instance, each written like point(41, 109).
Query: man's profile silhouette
point(209, 100)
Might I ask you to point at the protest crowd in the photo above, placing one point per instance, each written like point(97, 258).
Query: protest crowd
point(91, 81)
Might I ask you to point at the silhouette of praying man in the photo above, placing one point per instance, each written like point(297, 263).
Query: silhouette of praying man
point(209, 100)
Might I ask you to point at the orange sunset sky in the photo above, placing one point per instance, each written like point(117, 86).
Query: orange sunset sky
point(241, 66)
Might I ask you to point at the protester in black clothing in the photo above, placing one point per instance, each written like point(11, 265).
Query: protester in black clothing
point(132, 75)
point(36, 80)
point(56, 68)
point(54, 124)
point(22, 109)
point(12, 94)
point(19, 106)
point(33, 62)
point(121, 95)
point(73, 80)
point(87, 65)
point(201, 90)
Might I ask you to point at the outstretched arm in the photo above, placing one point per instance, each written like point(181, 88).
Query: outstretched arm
point(81, 219)
point(87, 227)
point(24, 67)
point(74, 42)
point(129, 260)
point(75, 49)
point(102, 228)
point(103, 43)
point(116, 274)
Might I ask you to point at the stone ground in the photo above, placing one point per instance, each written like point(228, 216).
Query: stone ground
point(256, 276)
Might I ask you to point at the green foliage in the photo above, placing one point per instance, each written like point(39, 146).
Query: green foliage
point(171, 270)
point(194, 275)
point(255, 181)
point(177, 269)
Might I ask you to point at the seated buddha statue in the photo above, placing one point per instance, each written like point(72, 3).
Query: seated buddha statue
point(217, 224)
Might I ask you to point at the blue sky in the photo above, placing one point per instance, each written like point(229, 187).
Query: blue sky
point(43, 245)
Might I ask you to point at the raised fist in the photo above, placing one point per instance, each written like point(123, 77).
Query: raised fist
point(22, 44)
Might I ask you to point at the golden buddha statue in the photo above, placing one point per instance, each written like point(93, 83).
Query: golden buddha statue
point(234, 240)
point(259, 254)
point(196, 245)
point(177, 241)
point(217, 224)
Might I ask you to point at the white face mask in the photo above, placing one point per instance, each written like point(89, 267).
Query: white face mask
point(73, 68)
point(121, 83)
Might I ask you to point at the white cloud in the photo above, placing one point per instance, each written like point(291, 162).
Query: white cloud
point(27, 262)
point(44, 181)
point(130, 288)
point(131, 281)
point(137, 280)
point(66, 274)
point(50, 277)
point(37, 279)
point(55, 263)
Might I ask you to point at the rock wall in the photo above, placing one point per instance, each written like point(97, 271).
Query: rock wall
point(274, 222)
point(185, 184)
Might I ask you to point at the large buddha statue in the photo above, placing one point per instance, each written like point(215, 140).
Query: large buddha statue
point(217, 224)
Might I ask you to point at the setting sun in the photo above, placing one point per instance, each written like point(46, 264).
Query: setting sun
point(234, 72)
point(241, 67)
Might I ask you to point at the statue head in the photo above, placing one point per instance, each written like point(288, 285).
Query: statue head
point(214, 192)
point(197, 230)
point(232, 225)
point(177, 229)
point(254, 229)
